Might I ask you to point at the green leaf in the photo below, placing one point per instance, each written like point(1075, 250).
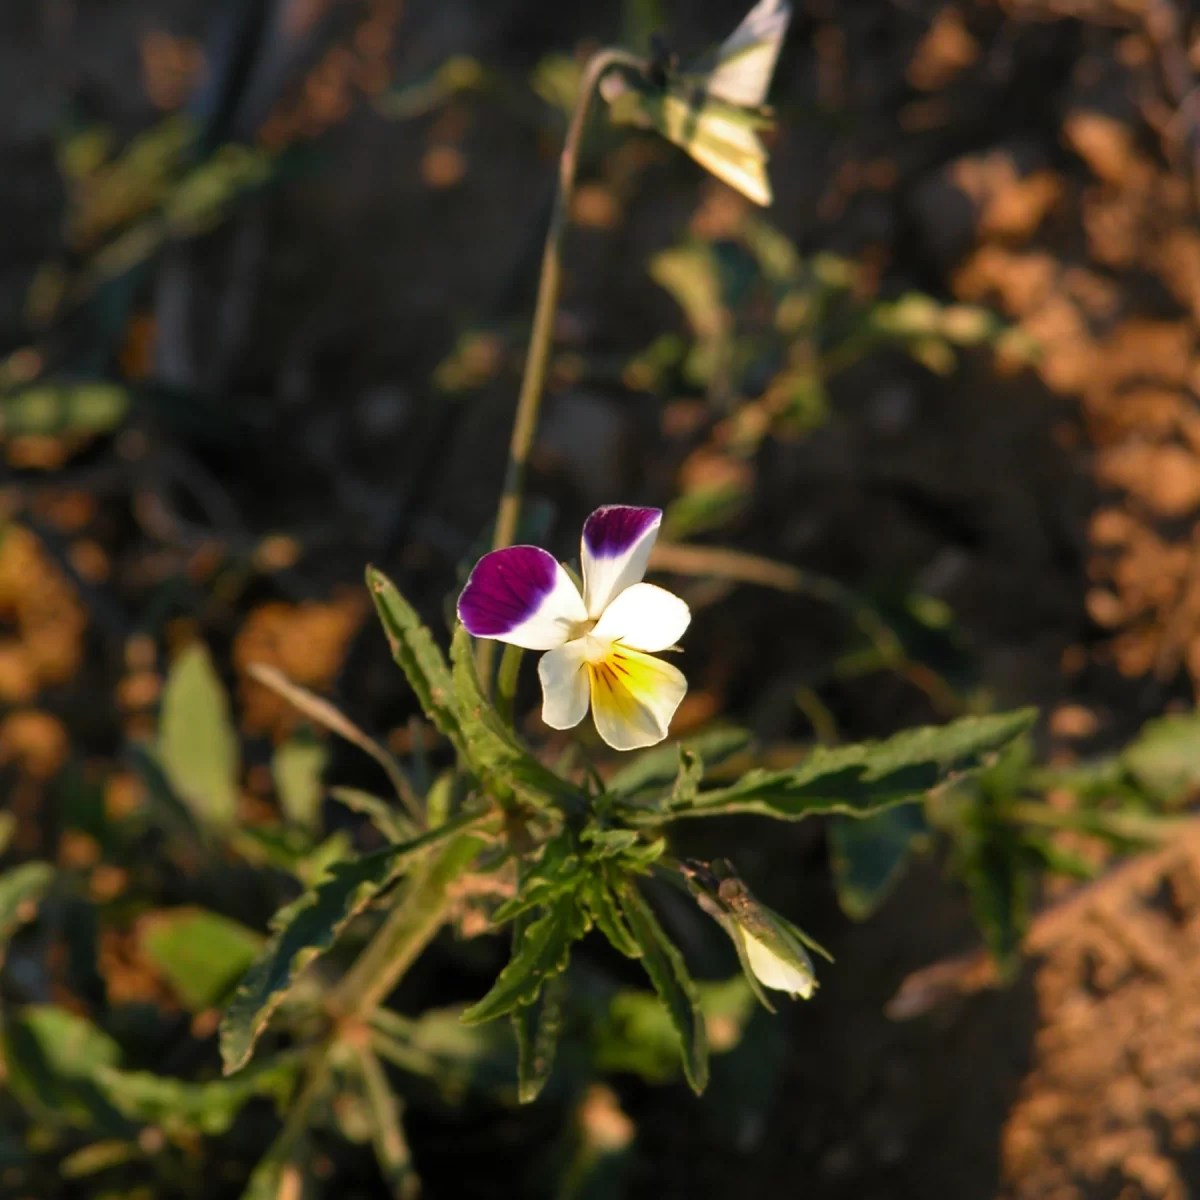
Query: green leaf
point(542, 953)
point(635, 1034)
point(491, 749)
point(687, 780)
point(181, 1107)
point(669, 974)
point(75, 407)
point(51, 1056)
point(869, 855)
point(197, 744)
point(658, 767)
point(558, 870)
point(296, 767)
point(201, 954)
point(1164, 758)
point(863, 778)
point(596, 895)
point(21, 891)
point(995, 867)
point(537, 1028)
point(394, 825)
point(417, 655)
point(307, 928)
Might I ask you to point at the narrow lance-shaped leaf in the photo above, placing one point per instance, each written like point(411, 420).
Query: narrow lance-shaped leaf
point(597, 895)
point(490, 748)
point(860, 779)
point(307, 928)
point(417, 655)
point(669, 974)
point(542, 953)
point(536, 1029)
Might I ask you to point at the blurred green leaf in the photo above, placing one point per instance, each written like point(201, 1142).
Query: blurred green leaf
point(197, 744)
point(51, 1056)
point(995, 866)
point(541, 953)
point(417, 655)
point(1165, 757)
point(201, 954)
point(181, 1107)
point(387, 1130)
point(669, 974)
point(296, 767)
point(21, 891)
point(863, 778)
point(869, 855)
point(636, 1034)
point(394, 825)
point(54, 408)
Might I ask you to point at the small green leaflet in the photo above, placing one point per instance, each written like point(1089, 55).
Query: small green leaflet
point(417, 655)
point(870, 854)
point(543, 952)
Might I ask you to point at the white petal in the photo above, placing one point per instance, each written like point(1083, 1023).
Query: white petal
point(523, 596)
point(564, 677)
point(645, 617)
point(617, 541)
point(774, 971)
point(634, 697)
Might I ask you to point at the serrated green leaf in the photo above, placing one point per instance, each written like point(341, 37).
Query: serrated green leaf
point(197, 744)
point(387, 1129)
point(668, 973)
point(296, 767)
point(201, 954)
point(869, 855)
point(180, 1106)
point(658, 767)
point(491, 749)
point(863, 778)
point(51, 1056)
point(543, 952)
point(307, 928)
point(1164, 758)
point(417, 655)
point(21, 891)
point(536, 1028)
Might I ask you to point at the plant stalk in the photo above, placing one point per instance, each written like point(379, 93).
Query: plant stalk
point(541, 338)
point(407, 930)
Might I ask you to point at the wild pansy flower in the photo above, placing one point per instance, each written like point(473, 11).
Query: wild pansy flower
point(601, 644)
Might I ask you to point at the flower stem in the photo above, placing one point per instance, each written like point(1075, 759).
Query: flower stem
point(406, 931)
point(537, 357)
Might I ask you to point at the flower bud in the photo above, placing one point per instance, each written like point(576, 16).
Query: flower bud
point(770, 948)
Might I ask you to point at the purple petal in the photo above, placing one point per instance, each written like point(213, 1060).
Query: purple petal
point(521, 595)
point(614, 529)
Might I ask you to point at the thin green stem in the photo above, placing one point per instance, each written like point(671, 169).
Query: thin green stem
point(506, 682)
point(541, 338)
point(406, 931)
